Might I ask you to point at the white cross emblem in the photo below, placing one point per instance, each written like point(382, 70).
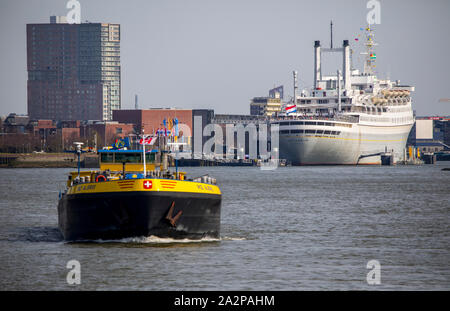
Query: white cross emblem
point(147, 184)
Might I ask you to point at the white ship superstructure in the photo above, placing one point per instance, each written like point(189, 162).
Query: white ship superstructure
point(348, 118)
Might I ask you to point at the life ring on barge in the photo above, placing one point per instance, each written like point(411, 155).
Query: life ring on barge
point(100, 178)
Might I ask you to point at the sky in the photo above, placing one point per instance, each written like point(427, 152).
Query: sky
point(218, 54)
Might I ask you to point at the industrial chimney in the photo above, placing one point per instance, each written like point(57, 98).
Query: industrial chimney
point(317, 64)
point(346, 66)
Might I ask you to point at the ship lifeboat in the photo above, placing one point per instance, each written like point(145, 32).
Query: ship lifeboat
point(375, 100)
point(388, 94)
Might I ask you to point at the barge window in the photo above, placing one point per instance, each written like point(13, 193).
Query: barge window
point(284, 132)
point(310, 131)
point(150, 157)
point(319, 132)
point(296, 123)
point(128, 157)
point(107, 158)
point(320, 123)
point(327, 132)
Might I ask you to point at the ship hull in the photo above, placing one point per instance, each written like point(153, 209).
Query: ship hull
point(359, 144)
point(115, 215)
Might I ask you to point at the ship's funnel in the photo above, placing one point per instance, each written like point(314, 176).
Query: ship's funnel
point(317, 64)
point(346, 66)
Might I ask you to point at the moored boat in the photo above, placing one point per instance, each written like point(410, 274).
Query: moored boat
point(349, 118)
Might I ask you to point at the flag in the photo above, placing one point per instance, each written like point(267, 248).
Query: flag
point(175, 121)
point(166, 132)
point(147, 141)
point(121, 143)
point(291, 109)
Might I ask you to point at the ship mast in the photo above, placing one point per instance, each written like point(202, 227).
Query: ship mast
point(143, 154)
point(370, 55)
point(331, 34)
point(295, 86)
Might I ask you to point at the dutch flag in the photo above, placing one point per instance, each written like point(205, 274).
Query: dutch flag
point(291, 109)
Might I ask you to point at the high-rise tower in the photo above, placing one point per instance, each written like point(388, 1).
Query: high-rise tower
point(73, 70)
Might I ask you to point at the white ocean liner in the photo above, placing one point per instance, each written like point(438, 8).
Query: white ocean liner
point(349, 118)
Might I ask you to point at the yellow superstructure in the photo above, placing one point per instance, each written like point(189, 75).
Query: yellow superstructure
point(114, 177)
point(145, 184)
point(114, 160)
point(132, 167)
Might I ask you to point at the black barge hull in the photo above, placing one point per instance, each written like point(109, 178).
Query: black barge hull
point(116, 215)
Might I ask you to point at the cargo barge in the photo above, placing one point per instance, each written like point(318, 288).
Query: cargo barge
point(138, 200)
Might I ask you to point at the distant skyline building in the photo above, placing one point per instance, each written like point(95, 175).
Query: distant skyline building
point(73, 70)
point(265, 106)
point(430, 134)
point(268, 106)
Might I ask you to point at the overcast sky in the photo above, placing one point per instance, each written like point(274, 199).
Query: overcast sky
point(220, 54)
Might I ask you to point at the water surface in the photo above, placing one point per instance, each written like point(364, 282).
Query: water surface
point(294, 228)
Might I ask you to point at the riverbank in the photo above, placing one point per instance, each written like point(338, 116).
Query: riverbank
point(46, 160)
point(89, 160)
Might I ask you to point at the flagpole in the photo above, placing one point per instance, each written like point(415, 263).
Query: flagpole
point(176, 163)
point(143, 151)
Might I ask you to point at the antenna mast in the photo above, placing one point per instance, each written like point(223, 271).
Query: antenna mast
point(331, 33)
point(369, 63)
point(295, 86)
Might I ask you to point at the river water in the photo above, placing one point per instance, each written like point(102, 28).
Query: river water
point(293, 228)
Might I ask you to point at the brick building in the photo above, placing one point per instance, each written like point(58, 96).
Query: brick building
point(15, 123)
point(105, 133)
point(150, 120)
